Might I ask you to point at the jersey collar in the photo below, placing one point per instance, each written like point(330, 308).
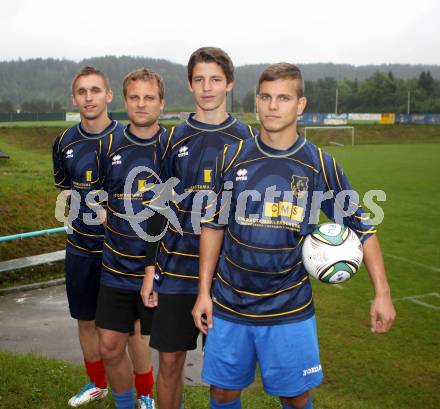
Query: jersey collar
point(140, 141)
point(201, 126)
point(271, 152)
point(98, 135)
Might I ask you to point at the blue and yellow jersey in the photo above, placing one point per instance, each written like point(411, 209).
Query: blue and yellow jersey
point(77, 167)
point(189, 152)
point(267, 202)
point(130, 168)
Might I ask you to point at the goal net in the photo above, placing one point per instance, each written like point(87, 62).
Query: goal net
point(330, 135)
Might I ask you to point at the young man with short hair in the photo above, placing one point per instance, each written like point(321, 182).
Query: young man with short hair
point(77, 173)
point(129, 166)
point(188, 152)
point(261, 308)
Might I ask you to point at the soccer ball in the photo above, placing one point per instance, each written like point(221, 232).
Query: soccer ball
point(332, 253)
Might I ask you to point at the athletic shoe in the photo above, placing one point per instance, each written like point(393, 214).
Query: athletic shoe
point(145, 402)
point(88, 393)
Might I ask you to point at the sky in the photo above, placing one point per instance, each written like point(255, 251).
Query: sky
point(307, 31)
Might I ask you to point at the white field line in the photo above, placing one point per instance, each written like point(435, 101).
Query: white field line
point(416, 263)
point(416, 300)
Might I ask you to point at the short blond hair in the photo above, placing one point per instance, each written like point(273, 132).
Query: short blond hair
point(144, 74)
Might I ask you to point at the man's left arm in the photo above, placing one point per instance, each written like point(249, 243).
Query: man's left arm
point(382, 312)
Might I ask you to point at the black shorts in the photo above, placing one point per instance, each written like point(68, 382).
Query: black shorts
point(173, 325)
point(118, 309)
point(83, 276)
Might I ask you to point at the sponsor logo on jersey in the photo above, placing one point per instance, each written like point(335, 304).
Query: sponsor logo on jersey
point(69, 153)
point(299, 185)
point(183, 151)
point(314, 369)
point(241, 174)
point(207, 175)
point(116, 160)
point(283, 209)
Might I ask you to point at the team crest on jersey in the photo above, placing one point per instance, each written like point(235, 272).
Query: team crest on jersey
point(299, 185)
point(116, 160)
point(183, 151)
point(69, 153)
point(241, 174)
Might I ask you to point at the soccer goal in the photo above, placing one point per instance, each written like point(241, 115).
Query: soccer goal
point(330, 135)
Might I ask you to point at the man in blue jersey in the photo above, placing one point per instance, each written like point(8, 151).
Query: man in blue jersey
point(261, 308)
point(129, 165)
point(77, 173)
point(188, 153)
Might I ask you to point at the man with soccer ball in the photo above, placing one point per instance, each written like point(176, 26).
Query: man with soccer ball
point(261, 308)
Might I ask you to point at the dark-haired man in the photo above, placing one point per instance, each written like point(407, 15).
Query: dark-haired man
point(188, 152)
point(262, 298)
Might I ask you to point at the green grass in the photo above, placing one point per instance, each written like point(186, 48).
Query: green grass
point(399, 370)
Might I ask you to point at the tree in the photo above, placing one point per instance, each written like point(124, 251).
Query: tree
point(57, 107)
point(426, 83)
point(249, 102)
point(36, 105)
point(379, 93)
point(6, 107)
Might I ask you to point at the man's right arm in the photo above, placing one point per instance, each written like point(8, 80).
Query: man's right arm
point(211, 241)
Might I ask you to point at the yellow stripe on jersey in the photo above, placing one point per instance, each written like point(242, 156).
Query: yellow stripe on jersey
point(264, 248)
point(280, 314)
point(336, 173)
point(259, 271)
point(119, 253)
point(179, 275)
point(61, 137)
point(265, 157)
point(82, 248)
point(303, 280)
point(177, 253)
point(110, 144)
point(251, 131)
point(240, 145)
point(184, 139)
point(224, 156)
point(113, 270)
point(168, 142)
point(370, 231)
point(323, 169)
point(107, 226)
point(85, 234)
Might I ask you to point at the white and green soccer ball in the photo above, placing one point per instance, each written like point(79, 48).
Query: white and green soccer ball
point(332, 253)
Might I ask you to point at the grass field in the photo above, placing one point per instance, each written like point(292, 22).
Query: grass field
point(399, 370)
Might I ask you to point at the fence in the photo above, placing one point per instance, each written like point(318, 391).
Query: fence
point(318, 118)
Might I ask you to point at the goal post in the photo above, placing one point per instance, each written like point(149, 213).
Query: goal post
point(325, 129)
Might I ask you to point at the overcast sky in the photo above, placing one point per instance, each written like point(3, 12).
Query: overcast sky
point(339, 31)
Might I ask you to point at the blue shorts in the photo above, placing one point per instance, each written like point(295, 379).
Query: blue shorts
point(83, 276)
point(287, 354)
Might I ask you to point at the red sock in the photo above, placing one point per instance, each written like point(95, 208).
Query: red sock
point(144, 383)
point(96, 373)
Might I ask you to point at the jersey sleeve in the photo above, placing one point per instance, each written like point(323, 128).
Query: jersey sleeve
point(164, 154)
point(217, 211)
point(61, 177)
point(343, 205)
